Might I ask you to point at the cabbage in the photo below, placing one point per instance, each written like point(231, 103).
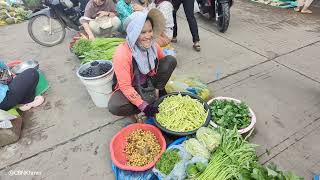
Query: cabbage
point(209, 137)
point(194, 147)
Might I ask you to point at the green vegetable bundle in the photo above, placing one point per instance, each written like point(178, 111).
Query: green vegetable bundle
point(11, 14)
point(195, 169)
point(98, 49)
point(168, 160)
point(181, 113)
point(209, 137)
point(195, 148)
point(228, 114)
point(233, 156)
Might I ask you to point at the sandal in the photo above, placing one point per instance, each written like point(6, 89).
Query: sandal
point(38, 100)
point(306, 11)
point(174, 40)
point(196, 46)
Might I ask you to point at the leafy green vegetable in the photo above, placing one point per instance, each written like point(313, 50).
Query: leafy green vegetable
point(168, 160)
point(233, 156)
point(200, 166)
point(209, 137)
point(228, 114)
point(98, 49)
point(181, 113)
point(192, 170)
point(195, 148)
point(82, 46)
point(271, 172)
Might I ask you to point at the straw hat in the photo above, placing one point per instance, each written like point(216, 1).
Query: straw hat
point(155, 15)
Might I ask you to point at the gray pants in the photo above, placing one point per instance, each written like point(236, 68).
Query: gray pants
point(119, 105)
point(99, 32)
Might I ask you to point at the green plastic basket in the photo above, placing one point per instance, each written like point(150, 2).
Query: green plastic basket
point(42, 85)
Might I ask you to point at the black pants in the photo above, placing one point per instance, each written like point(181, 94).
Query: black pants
point(119, 105)
point(188, 6)
point(21, 89)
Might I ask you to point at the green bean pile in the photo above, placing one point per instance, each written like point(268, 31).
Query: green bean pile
point(181, 113)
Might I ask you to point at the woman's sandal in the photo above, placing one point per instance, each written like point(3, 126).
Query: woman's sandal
point(174, 40)
point(306, 11)
point(196, 46)
point(38, 100)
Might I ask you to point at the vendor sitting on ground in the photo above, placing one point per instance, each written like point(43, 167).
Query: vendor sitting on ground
point(19, 90)
point(165, 6)
point(124, 9)
point(99, 19)
point(141, 69)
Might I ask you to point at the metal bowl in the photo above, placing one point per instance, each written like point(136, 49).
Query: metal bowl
point(19, 68)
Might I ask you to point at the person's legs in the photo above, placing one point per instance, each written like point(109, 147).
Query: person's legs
point(188, 6)
point(119, 105)
point(299, 5)
point(95, 28)
point(306, 6)
point(176, 4)
point(21, 89)
point(165, 69)
point(116, 23)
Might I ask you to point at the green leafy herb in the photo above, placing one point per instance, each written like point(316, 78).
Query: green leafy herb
point(228, 114)
point(168, 160)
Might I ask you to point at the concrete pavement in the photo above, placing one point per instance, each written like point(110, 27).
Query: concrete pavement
point(268, 58)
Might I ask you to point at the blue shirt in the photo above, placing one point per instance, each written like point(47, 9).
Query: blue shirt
point(123, 10)
point(3, 88)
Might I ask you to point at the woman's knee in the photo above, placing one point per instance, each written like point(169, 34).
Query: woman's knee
point(31, 73)
point(171, 61)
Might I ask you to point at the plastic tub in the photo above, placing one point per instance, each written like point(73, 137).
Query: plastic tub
point(253, 116)
point(174, 133)
point(119, 142)
point(99, 87)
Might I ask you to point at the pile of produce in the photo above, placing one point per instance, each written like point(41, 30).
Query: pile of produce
point(142, 148)
point(12, 14)
point(98, 49)
point(235, 158)
point(96, 69)
point(181, 113)
point(228, 114)
point(168, 160)
point(193, 170)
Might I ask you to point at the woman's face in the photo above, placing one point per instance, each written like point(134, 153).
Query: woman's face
point(99, 2)
point(146, 35)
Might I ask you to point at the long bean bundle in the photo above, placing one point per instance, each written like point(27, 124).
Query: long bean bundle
point(230, 159)
point(181, 113)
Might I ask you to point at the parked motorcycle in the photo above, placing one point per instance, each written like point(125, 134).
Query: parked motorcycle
point(48, 26)
point(217, 9)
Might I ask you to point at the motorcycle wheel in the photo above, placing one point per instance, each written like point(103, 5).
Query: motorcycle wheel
point(46, 31)
point(222, 16)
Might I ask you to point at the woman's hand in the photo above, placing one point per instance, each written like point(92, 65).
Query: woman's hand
point(103, 13)
point(150, 110)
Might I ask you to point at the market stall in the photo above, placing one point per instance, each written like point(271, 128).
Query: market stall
point(206, 140)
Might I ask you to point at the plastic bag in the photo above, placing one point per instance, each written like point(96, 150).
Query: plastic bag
point(196, 161)
point(188, 84)
point(131, 175)
point(178, 172)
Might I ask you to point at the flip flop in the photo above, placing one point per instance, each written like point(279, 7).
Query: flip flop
point(196, 47)
point(306, 11)
point(174, 40)
point(38, 100)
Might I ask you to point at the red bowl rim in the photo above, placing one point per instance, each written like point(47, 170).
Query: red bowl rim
point(135, 168)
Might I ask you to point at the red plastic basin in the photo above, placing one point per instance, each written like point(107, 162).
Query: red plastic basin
point(119, 142)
